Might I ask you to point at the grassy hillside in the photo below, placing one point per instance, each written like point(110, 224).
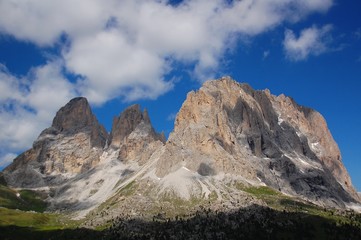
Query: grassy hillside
point(19, 225)
point(23, 199)
point(22, 216)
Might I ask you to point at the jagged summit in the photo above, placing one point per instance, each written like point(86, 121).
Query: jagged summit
point(71, 145)
point(131, 118)
point(226, 134)
point(133, 134)
point(75, 143)
point(232, 129)
point(123, 125)
point(74, 115)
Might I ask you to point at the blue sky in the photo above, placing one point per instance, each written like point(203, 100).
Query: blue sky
point(117, 53)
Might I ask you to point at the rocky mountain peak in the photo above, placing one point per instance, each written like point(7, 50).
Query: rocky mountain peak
point(75, 115)
point(133, 133)
point(125, 124)
point(230, 128)
point(73, 144)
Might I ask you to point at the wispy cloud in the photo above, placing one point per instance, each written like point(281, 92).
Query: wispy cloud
point(29, 103)
point(171, 117)
point(357, 33)
point(266, 54)
point(311, 41)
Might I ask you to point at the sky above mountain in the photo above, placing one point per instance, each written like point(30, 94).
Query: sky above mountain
point(152, 52)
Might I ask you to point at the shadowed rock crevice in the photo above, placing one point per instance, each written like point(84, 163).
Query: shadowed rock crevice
point(205, 170)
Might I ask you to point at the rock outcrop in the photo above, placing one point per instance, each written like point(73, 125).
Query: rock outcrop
point(73, 144)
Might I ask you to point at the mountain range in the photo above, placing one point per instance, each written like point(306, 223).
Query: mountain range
point(228, 138)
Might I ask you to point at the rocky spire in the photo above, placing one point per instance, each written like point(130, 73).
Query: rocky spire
point(125, 124)
point(133, 133)
point(72, 144)
point(76, 116)
point(128, 121)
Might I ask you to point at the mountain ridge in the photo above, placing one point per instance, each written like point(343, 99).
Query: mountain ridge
point(225, 134)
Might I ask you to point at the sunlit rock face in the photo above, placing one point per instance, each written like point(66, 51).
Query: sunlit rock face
point(229, 128)
point(72, 145)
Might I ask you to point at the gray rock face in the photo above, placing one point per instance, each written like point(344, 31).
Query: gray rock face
point(133, 133)
point(76, 116)
point(71, 145)
point(229, 128)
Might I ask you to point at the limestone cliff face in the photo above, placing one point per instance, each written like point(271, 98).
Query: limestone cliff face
point(71, 145)
point(229, 128)
point(133, 134)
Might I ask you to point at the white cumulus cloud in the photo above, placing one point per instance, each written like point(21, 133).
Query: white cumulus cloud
point(311, 41)
point(29, 103)
point(113, 66)
point(126, 49)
